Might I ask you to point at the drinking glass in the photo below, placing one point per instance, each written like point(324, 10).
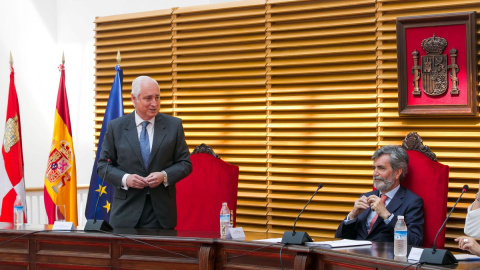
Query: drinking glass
point(60, 212)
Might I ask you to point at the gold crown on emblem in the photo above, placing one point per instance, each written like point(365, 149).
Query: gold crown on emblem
point(434, 45)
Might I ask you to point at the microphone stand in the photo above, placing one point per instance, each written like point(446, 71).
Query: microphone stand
point(441, 256)
point(299, 238)
point(98, 225)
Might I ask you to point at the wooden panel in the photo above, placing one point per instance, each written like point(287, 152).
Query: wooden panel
point(14, 252)
point(160, 249)
point(294, 92)
point(219, 92)
point(145, 47)
point(321, 110)
point(85, 251)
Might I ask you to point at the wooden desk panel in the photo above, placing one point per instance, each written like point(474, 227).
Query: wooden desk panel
point(258, 255)
point(81, 250)
point(156, 249)
point(14, 254)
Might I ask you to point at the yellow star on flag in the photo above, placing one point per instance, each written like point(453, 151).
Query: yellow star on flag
point(107, 206)
point(101, 189)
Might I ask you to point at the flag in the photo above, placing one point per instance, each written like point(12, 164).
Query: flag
point(61, 175)
point(101, 190)
point(12, 182)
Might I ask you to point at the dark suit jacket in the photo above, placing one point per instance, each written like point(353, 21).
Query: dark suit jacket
point(404, 203)
point(169, 152)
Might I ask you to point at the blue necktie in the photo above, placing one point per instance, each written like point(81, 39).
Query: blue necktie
point(145, 144)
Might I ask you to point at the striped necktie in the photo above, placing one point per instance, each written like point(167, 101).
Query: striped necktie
point(145, 144)
point(383, 197)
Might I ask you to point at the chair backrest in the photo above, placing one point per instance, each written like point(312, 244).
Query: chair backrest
point(428, 179)
point(200, 195)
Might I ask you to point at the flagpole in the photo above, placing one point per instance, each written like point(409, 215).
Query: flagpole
point(11, 61)
point(119, 59)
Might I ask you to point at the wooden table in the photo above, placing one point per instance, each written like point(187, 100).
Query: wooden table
point(41, 248)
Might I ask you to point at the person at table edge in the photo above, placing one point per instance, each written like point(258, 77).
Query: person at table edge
point(390, 165)
point(472, 227)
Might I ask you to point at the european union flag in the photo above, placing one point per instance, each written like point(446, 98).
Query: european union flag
point(105, 191)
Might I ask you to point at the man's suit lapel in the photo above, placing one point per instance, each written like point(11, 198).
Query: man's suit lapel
point(397, 200)
point(131, 135)
point(159, 134)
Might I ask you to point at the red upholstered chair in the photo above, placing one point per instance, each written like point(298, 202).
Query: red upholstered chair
point(200, 195)
point(428, 179)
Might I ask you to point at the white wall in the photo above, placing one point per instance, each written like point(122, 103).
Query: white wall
point(37, 32)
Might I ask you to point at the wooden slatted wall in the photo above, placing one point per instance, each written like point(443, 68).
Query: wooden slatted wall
point(294, 92)
point(455, 141)
point(321, 110)
point(146, 48)
point(220, 80)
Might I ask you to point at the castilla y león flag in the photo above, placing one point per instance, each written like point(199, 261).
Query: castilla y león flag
point(61, 176)
point(12, 183)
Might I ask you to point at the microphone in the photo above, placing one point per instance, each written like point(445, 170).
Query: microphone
point(299, 238)
point(441, 256)
point(98, 225)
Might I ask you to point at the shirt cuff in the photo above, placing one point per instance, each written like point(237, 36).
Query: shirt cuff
point(348, 220)
point(389, 218)
point(124, 181)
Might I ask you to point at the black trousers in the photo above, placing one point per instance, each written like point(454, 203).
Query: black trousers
point(148, 219)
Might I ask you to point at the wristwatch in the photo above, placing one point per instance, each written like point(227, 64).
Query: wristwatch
point(165, 177)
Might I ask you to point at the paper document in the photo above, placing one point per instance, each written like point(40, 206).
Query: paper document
point(339, 243)
point(466, 257)
point(270, 240)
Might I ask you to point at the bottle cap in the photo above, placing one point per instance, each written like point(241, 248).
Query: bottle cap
point(400, 217)
point(18, 201)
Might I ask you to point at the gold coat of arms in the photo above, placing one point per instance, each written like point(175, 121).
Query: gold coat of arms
point(434, 69)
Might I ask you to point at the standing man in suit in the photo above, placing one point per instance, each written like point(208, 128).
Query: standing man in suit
point(146, 155)
point(375, 213)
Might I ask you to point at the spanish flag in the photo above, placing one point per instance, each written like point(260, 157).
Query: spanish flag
point(61, 176)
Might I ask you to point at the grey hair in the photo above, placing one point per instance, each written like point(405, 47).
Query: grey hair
point(136, 84)
point(398, 158)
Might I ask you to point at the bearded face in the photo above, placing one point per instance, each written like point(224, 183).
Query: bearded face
point(384, 184)
point(384, 177)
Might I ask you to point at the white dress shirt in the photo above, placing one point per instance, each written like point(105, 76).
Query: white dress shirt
point(472, 223)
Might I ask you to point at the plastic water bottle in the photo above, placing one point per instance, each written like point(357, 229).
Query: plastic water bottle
point(18, 212)
point(224, 220)
point(400, 238)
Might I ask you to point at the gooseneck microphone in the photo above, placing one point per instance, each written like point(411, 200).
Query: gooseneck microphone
point(100, 225)
point(441, 256)
point(299, 238)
